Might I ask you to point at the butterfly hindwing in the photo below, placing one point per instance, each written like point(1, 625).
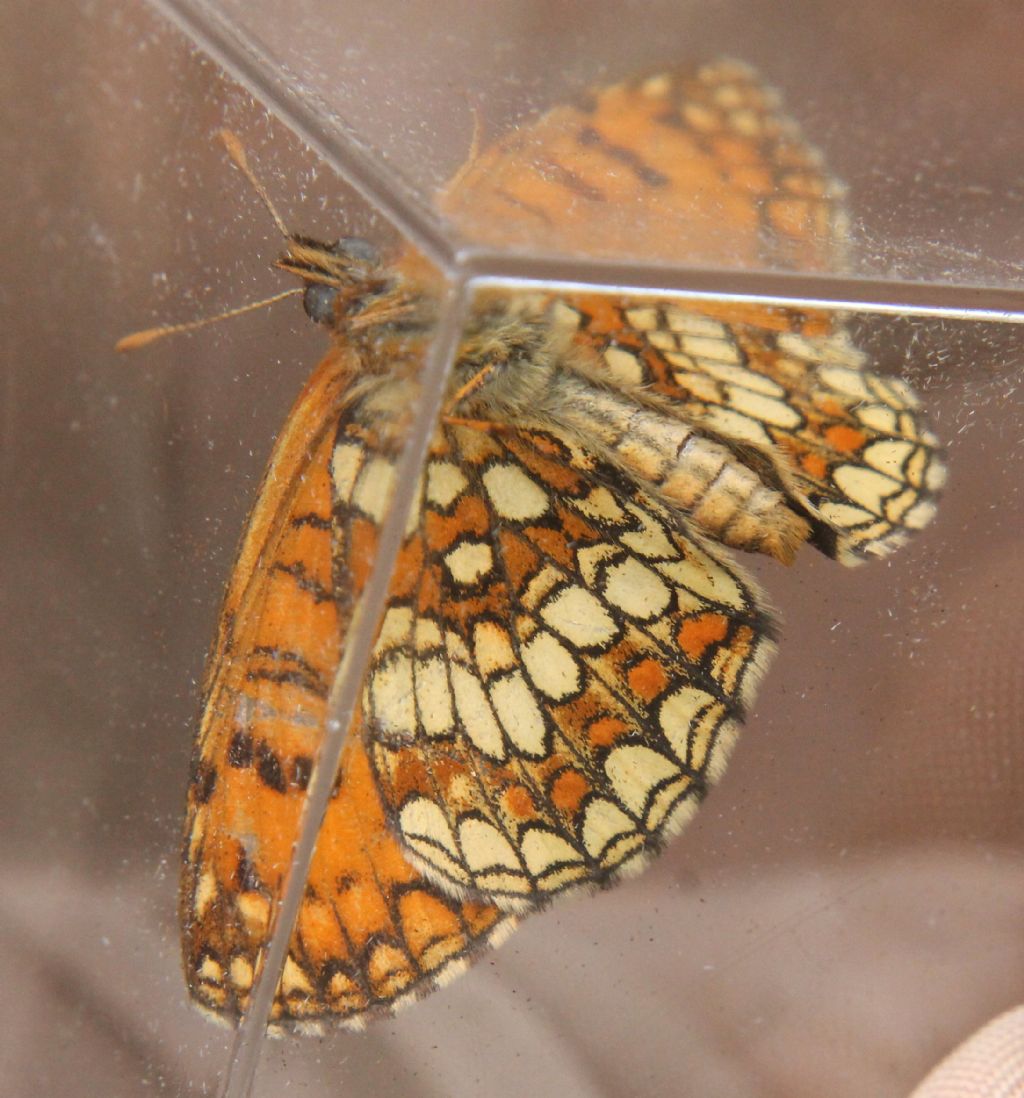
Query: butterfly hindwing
point(851, 448)
point(560, 672)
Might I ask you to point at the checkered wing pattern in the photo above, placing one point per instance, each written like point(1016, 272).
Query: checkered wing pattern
point(850, 448)
point(372, 932)
point(693, 166)
point(560, 674)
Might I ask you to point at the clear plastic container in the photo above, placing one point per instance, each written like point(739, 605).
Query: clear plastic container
point(846, 906)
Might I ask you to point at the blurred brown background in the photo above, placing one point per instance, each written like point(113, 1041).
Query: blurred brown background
point(848, 904)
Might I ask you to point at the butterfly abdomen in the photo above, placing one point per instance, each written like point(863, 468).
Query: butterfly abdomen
point(662, 451)
point(691, 472)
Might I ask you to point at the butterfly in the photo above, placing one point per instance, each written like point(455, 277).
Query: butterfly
point(569, 646)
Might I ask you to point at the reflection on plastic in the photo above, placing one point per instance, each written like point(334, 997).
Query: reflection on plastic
point(696, 168)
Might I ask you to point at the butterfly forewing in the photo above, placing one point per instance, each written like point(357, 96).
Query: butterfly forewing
point(371, 932)
point(691, 167)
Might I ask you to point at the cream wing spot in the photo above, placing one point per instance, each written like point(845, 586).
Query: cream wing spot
point(693, 324)
point(603, 823)
point(542, 849)
point(799, 346)
point(392, 695)
point(294, 980)
point(206, 892)
point(914, 468)
point(425, 829)
point(894, 391)
point(373, 488)
point(591, 558)
point(842, 379)
point(888, 456)
point(634, 771)
point(445, 483)
point(600, 504)
point(775, 412)
point(706, 579)
point(210, 970)
point(865, 487)
point(519, 714)
point(484, 847)
point(540, 586)
point(475, 714)
point(747, 379)
point(433, 697)
point(876, 417)
point(577, 615)
point(679, 714)
point(255, 911)
point(710, 350)
point(396, 627)
point(456, 647)
point(636, 590)
point(897, 506)
point(492, 647)
point(468, 562)
point(651, 539)
point(427, 634)
point(551, 666)
point(346, 461)
point(734, 425)
point(241, 973)
point(420, 816)
point(643, 319)
point(664, 341)
point(844, 515)
point(196, 835)
point(515, 495)
point(624, 366)
point(565, 317)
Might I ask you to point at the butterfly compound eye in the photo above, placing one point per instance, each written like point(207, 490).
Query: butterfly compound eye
point(319, 298)
point(318, 301)
point(358, 250)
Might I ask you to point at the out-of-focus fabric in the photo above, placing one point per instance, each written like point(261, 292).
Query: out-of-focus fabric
point(989, 1064)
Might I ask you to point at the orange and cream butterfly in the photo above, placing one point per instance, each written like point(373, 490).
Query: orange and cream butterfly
point(568, 647)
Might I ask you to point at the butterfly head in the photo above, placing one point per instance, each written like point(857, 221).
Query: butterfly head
point(350, 289)
point(347, 272)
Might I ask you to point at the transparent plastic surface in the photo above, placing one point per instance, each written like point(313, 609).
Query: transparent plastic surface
point(845, 907)
point(915, 108)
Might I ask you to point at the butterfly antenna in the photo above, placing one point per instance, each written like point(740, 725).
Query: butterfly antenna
point(236, 150)
point(150, 335)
